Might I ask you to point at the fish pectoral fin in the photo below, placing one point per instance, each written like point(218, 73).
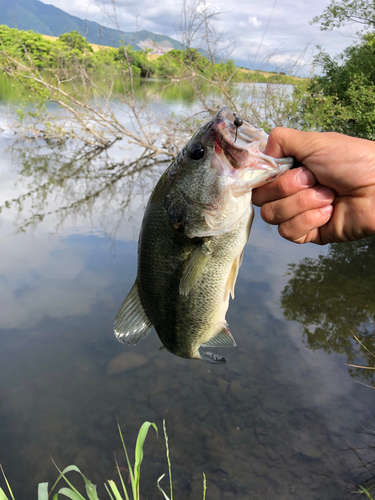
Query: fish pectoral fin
point(212, 358)
point(222, 339)
point(194, 267)
point(233, 275)
point(132, 323)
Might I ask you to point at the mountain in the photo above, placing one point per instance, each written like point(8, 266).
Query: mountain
point(49, 20)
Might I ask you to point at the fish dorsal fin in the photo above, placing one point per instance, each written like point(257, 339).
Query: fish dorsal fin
point(222, 339)
point(132, 323)
point(194, 267)
point(212, 358)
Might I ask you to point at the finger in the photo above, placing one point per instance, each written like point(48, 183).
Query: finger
point(288, 184)
point(305, 227)
point(279, 211)
point(289, 142)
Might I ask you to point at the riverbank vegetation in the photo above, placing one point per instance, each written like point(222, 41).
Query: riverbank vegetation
point(342, 98)
point(102, 101)
point(114, 492)
point(45, 53)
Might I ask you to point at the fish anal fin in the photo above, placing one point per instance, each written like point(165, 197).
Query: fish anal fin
point(212, 358)
point(194, 267)
point(222, 339)
point(132, 323)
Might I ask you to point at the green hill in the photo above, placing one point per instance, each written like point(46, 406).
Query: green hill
point(49, 20)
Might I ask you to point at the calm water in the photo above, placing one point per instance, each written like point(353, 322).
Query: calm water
point(285, 418)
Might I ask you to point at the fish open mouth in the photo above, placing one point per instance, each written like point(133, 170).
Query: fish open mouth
point(243, 145)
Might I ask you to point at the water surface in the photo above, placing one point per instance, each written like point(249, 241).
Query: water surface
point(284, 417)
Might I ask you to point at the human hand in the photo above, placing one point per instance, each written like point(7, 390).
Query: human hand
point(331, 198)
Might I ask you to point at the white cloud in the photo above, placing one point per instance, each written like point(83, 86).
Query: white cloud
point(253, 21)
point(288, 29)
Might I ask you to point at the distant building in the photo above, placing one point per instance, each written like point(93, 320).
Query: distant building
point(157, 48)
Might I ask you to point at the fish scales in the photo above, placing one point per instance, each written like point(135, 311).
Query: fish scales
point(193, 234)
point(184, 322)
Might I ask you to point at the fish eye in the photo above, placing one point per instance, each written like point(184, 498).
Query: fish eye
point(196, 151)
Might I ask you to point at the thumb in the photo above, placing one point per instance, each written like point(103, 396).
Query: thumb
point(287, 142)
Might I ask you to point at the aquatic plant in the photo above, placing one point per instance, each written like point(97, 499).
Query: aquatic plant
point(114, 494)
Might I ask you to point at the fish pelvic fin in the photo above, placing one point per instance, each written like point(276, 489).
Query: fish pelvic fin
point(233, 275)
point(194, 267)
point(223, 338)
point(132, 323)
point(212, 358)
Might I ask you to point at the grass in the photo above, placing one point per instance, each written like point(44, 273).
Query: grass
point(69, 491)
point(363, 367)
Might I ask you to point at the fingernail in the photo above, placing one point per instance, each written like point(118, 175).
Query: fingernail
point(328, 209)
point(324, 193)
point(306, 178)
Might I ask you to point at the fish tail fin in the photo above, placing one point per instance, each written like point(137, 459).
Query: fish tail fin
point(132, 323)
point(211, 358)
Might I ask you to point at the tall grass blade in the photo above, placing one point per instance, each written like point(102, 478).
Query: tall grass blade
point(8, 485)
point(109, 492)
point(62, 476)
point(366, 492)
point(204, 486)
point(132, 481)
point(3, 495)
point(114, 489)
point(122, 482)
point(359, 366)
point(139, 452)
point(43, 491)
point(161, 489)
point(168, 460)
point(363, 346)
point(70, 494)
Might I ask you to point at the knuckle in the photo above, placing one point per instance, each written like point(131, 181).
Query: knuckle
point(307, 219)
point(267, 213)
point(276, 133)
point(283, 186)
point(286, 231)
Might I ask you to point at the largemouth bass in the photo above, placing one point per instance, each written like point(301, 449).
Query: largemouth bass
point(193, 234)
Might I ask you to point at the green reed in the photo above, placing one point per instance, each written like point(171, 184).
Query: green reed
point(114, 494)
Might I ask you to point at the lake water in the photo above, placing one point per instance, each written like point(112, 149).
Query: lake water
point(284, 418)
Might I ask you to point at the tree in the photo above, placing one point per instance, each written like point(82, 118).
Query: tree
point(75, 41)
point(95, 97)
point(345, 12)
point(343, 98)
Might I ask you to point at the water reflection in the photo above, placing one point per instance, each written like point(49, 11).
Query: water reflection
point(333, 298)
point(279, 420)
point(68, 181)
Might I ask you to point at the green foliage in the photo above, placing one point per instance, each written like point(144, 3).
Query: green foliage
point(74, 41)
point(365, 491)
point(111, 488)
point(343, 98)
point(338, 14)
point(26, 45)
point(71, 52)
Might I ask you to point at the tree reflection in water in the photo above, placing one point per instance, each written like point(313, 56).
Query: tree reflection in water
point(65, 180)
point(333, 298)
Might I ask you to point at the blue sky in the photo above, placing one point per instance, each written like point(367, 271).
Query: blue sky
point(277, 28)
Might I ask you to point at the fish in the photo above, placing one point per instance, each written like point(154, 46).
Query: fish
point(192, 239)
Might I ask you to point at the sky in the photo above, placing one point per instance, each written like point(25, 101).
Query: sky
point(277, 28)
